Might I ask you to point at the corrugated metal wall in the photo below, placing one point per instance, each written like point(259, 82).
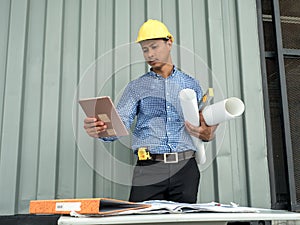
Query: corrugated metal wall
point(54, 52)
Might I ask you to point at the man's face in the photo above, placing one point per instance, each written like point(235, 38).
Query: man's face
point(157, 52)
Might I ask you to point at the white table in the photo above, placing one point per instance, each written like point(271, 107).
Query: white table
point(278, 217)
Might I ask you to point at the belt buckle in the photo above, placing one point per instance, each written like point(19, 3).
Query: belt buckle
point(171, 157)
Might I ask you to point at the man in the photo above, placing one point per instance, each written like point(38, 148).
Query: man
point(166, 168)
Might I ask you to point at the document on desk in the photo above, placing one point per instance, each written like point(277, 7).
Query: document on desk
point(165, 207)
point(162, 206)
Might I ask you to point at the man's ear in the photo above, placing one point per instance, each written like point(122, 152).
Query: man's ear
point(169, 43)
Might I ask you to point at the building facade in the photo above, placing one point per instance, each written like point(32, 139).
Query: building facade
point(54, 52)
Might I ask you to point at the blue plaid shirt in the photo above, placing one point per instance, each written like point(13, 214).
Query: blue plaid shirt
point(155, 102)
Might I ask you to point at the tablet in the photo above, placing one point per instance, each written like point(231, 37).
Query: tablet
point(102, 108)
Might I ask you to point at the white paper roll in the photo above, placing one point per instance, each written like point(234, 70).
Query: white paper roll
point(188, 101)
point(222, 111)
point(189, 105)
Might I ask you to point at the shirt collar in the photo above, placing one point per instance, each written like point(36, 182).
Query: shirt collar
point(157, 75)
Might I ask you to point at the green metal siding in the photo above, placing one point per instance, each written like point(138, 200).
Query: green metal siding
point(54, 51)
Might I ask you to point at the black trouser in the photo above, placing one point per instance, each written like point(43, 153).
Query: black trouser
point(176, 182)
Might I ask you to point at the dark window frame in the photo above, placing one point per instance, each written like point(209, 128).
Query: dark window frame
point(279, 55)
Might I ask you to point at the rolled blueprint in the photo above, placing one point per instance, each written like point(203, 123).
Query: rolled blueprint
point(189, 105)
point(222, 111)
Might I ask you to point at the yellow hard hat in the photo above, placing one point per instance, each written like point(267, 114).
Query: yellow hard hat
point(153, 29)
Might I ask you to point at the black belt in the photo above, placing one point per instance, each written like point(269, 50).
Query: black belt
point(173, 157)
